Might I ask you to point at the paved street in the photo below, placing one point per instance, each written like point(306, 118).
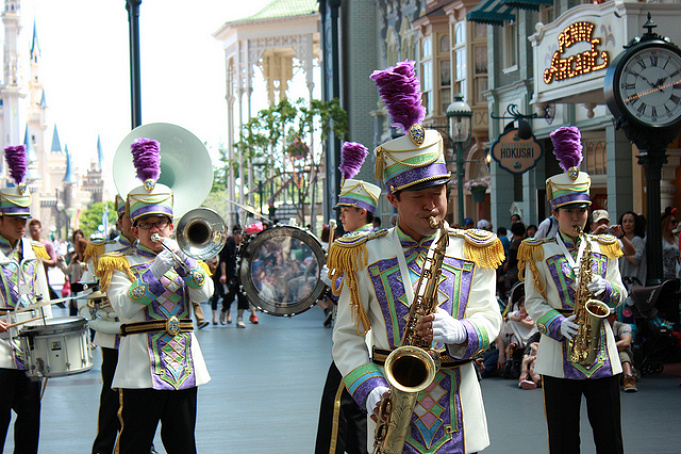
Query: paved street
point(266, 385)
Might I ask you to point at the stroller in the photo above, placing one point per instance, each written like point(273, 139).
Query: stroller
point(655, 312)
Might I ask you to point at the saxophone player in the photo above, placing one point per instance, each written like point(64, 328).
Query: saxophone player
point(562, 275)
point(380, 272)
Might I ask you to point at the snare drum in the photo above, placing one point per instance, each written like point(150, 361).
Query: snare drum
point(59, 347)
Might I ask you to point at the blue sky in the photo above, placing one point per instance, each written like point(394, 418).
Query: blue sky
point(85, 67)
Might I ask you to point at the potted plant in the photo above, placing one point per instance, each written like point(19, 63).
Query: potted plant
point(478, 188)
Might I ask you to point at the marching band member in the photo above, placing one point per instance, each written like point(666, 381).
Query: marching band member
point(106, 325)
point(553, 268)
point(23, 281)
point(160, 364)
point(449, 416)
point(342, 423)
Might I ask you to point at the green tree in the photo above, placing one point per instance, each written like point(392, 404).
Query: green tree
point(91, 218)
point(276, 139)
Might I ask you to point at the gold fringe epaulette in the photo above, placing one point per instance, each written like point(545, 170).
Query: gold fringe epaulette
point(94, 250)
point(205, 268)
point(530, 252)
point(108, 263)
point(348, 255)
point(40, 251)
point(481, 247)
point(610, 247)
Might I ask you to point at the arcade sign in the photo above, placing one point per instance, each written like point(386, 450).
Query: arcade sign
point(515, 154)
point(590, 60)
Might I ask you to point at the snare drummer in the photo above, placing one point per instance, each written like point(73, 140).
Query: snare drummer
point(19, 392)
point(160, 364)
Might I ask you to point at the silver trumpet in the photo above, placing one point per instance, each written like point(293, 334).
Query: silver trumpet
point(201, 234)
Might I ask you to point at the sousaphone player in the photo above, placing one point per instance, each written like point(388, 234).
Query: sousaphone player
point(160, 364)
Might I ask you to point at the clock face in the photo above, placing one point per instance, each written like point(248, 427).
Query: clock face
point(649, 86)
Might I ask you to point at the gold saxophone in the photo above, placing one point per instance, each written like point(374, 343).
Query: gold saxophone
point(583, 348)
point(411, 367)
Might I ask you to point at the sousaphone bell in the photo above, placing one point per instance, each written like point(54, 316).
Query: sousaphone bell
point(187, 169)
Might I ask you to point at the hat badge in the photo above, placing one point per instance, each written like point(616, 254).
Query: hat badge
point(149, 184)
point(417, 134)
point(573, 173)
point(21, 187)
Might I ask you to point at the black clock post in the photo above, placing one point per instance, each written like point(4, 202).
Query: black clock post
point(643, 92)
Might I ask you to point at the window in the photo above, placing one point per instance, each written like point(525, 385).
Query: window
point(510, 45)
point(460, 62)
point(427, 74)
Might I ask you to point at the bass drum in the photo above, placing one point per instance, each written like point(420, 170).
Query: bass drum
point(279, 270)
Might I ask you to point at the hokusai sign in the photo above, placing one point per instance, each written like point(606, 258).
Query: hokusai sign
point(515, 154)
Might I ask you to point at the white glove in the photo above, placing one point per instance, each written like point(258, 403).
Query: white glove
point(324, 276)
point(162, 263)
point(374, 398)
point(447, 329)
point(172, 244)
point(569, 328)
point(597, 285)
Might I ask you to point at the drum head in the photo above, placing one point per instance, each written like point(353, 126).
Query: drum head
point(280, 268)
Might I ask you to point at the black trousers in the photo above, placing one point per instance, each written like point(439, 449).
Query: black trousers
point(20, 394)
point(342, 424)
point(141, 411)
point(107, 420)
point(242, 301)
point(562, 401)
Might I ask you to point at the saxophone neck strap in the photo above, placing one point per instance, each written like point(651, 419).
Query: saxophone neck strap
point(574, 263)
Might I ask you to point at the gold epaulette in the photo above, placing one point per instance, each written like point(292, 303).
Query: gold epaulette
point(94, 250)
point(205, 268)
point(39, 250)
point(108, 263)
point(347, 255)
point(610, 247)
point(481, 247)
point(530, 252)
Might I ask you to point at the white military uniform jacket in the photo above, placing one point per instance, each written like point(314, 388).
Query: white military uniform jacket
point(104, 322)
point(11, 281)
point(550, 283)
point(157, 359)
point(467, 290)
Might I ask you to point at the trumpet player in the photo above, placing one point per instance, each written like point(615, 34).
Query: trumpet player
point(106, 325)
point(381, 270)
point(160, 364)
point(564, 275)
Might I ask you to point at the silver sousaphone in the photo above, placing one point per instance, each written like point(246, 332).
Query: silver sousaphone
point(187, 169)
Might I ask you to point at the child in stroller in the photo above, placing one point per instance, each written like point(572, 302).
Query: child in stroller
point(655, 313)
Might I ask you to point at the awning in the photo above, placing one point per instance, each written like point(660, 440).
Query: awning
point(527, 4)
point(492, 12)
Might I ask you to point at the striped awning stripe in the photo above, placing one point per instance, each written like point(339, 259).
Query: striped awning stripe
point(492, 12)
point(527, 4)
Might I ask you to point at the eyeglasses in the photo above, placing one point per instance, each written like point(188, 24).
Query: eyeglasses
point(149, 225)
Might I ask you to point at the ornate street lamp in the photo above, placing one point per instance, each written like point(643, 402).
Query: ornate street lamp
point(460, 126)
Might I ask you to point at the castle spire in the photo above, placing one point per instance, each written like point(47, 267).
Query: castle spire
point(56, 144)
point(69, 176)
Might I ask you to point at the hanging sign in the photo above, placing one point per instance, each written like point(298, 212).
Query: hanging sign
point(515, 154)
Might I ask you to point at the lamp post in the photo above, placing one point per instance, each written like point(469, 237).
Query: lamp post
point(459, 116)
point(259, 173)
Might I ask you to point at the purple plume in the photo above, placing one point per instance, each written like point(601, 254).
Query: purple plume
point(352, 157)
point(146, 158)
point(16, 161)
point(399, 89)
point(567, 146)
